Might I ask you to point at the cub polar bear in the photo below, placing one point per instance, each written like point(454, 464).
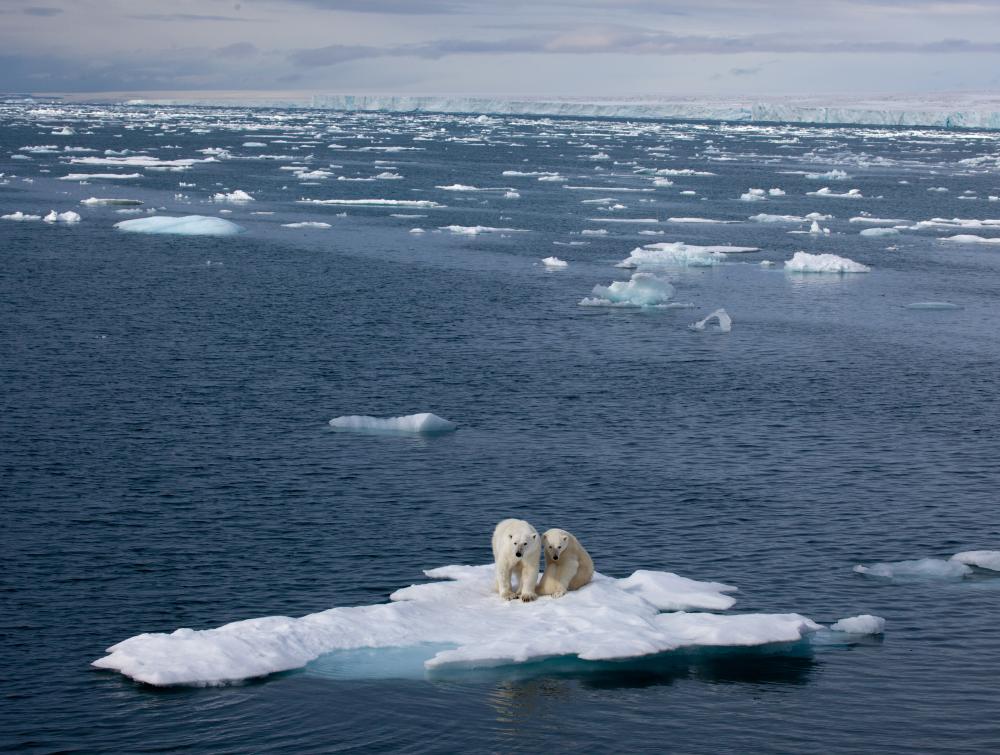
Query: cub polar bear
point(516, 548)
point(568, 566)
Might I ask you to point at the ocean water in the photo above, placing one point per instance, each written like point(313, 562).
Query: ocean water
point(165, 458)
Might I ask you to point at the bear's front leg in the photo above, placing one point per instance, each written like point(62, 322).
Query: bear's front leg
point(503, 583)
point(529, 578)
point(565, 575)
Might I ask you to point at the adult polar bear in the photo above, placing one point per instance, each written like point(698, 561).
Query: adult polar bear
point(516, 548)
point(568, 566)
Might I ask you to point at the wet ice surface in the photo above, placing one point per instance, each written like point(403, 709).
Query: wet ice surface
point(167, 460)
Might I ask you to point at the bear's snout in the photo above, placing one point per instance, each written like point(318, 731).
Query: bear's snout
point(517, 553)
point(555, 557)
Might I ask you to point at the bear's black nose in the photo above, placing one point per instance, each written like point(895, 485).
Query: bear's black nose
point(518, 554)
point(555, 558)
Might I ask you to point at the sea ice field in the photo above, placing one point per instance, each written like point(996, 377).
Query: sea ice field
point(271, 376)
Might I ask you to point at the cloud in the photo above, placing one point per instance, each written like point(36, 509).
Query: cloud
point(44, 11)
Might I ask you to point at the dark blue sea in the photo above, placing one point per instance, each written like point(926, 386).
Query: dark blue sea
point(166, 459)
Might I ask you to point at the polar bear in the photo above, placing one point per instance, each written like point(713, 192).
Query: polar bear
point(516, 548)
point(568, 566)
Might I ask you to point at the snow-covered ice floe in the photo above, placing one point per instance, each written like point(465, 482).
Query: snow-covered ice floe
point(100, 176)
point(917, 570)
point(236, 197)
point(969, 238)
point(648, 613)
point(554, 263)
point(827, 192)
point(20, 217)
point(62, 217)
point(641, 290)
point(306, 224)
point(110, 201)
point(425, 203)
point(876, 232)
point(679, 254)
point(863, 624)
point(424, 422)
point(803, 262)
point(724, 323)
point(475, 230)
point(188, 225)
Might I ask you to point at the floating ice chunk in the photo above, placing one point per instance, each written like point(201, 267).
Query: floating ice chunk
point(188, 225)
point(20, 217)
point(827, 192)
point(968, 238)
point(776, 192)
point(237, 197)
point(554, 263)
point(139, 161)
point(62, 217)
point(877, 221)
point(816, 230)
point(64, 131)
point(388, 175)
point(417, 230)
point(699, 220)
point(424, 422)
point(375, 202)
point(254, 144)
point(306, 224)
point(457, 187)
point(766, 218)
point(511, 195)
point(938, 189)
point(641, 290)
point(934, 305)
point(983, 559)
point(475, 230)
point(754, 195)
point(112, 201)
point(679, 254)
point(879, 232)
point(662, 182)
point(522, 173)
point(832, 175)
point(100, 176)
point(916, 570)
point(594, 232)
point(725, 322)
point(803, 262)
point(606, 619)
point(863, 624)
point(682, 172)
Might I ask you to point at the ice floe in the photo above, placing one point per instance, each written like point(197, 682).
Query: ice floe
point(555, 263)
point(754, 195)
point(425, 203)
point(863, 624)
point(832, 175)
point(679, 254)
point(647, 613)
point(724, 323)
point(424, 422)
point(803, 262)
point(879, 232)
point(236, 197)
point(62, 217)
point(969, 238)
point(307, 224)
point(641, 290)
point(983, 559)
point(916, 570)
point(475, 230)
point(188, 225)
point(110, 201)
point(827, 192)
point(20, 217)
point(934, 305)
point(100, 176)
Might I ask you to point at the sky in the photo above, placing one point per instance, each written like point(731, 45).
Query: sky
point(502, 47)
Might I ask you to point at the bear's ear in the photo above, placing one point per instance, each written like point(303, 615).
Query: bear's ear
point(535, 536)
point(510, 536)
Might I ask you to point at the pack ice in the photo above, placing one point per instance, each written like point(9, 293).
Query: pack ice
point(608, 619)
point(188, 225)
point(921, 569)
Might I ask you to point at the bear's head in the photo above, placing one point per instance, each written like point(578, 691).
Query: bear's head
point(521, 540)
point(555, 542)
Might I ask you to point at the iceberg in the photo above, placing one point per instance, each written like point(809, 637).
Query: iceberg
point(188, 225)
point(425, 422)
point(679, 254)
point(641, 290)
point(803, 262)
point(467, 624)
point(722, 318)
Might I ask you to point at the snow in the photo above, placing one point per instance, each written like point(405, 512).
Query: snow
point(916, 570)
point(803, 262)
point(679, 254)
point(641, 290)
point(188, 225)
point(375, 202)
point(62, 217)
point(607, 619)
point(20, 217)
point(983, 559)
point(413, 423)
point(306, 224)
point(863, 624)
point(554, 263)
point(237, 197)
point(725, 322)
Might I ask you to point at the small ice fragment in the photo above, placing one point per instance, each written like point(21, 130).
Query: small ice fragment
point(934, 305)
point(863, 624)
point(554, 263)
point(983, 559)
point(424, 422)
point(916, 570)
point(641, 290)
point(188, 225)
point(803, 262)
point(725, 322)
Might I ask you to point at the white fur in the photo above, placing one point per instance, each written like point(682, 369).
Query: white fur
point(568, 566)
point(511, 538)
